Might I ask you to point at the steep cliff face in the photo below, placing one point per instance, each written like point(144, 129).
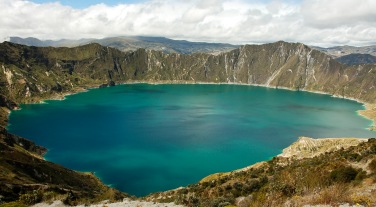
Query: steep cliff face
point(280, 64)
point(30, 73)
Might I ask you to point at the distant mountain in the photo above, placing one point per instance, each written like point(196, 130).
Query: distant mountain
point(31, 41)
point(127, 44)
point(340, 51)
point(351, 55)
point(356, 59)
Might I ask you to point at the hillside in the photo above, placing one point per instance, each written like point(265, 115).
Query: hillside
point(351, 55)
point(346, 175)
point(27, 177)
point(357, 59)
point(32, 74)
point(134, 43)
point(340, 51)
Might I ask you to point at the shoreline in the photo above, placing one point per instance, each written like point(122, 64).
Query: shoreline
point(306, 147)
point(369, 111)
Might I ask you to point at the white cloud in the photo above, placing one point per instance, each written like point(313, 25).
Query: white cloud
point(318, 22)
point(337, 13)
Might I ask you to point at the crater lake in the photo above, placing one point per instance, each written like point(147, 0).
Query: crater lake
point(144, 138)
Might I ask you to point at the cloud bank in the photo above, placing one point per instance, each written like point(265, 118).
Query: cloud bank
point(314, 22)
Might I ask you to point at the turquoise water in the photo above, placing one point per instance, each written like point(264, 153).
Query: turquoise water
point(143, 138)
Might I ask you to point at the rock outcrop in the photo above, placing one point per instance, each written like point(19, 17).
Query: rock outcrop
point(307, 147)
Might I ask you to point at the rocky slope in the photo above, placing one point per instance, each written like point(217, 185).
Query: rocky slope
point(307, 147)
point(32, 74)
point(345, 176)
point(27, 177)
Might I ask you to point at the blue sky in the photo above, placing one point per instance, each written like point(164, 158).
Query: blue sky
point(78, 4)
point(86, 3)
point(313, 22)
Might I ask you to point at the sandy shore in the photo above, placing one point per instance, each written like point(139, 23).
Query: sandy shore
point(369, 113)
point(307, 147)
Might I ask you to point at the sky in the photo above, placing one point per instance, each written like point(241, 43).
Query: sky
point(313, 22)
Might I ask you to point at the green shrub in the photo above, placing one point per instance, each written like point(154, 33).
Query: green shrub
point(372, 166)
point(31, 197)
point(184, 191)
point(222, 201)
point(354, 157)
point(373, 149)
point(343, 174)
point(238, 186)
point(288, 190)
point(13, 204)
point(254, 185)
point(361, 175)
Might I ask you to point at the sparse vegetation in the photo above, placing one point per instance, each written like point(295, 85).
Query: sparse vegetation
point(326, 179)
point(28, 179)
point(343, 174)
point(13, 204)
point(31, 198)
point(372, 165)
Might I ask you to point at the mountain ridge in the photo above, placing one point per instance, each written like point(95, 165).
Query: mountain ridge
point(344, 54)
point(357, 59)
point(132, 43)
point(339, 51)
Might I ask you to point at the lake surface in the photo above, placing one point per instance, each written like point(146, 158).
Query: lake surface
point(143, 138)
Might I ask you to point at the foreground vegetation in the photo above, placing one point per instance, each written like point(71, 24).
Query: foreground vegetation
point(27, 179)
point(343, 176)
